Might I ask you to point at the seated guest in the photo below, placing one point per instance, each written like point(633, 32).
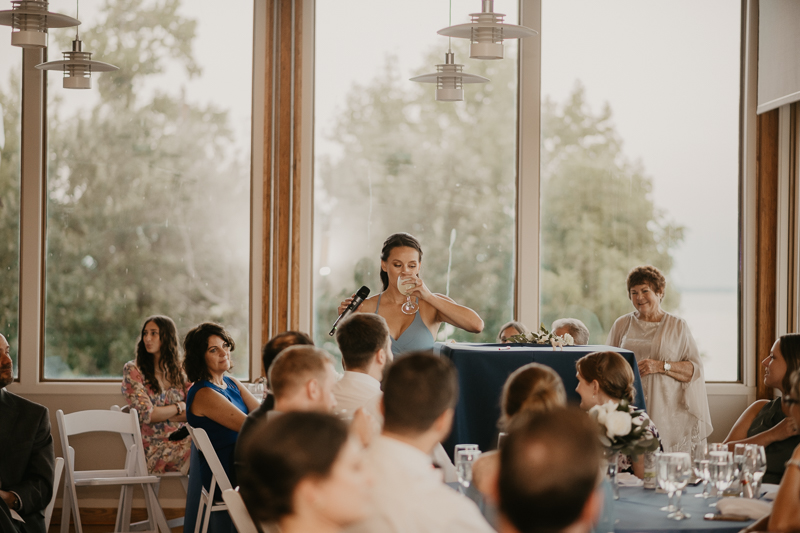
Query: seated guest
point(155, 385)
point(366, 348)
point(307, 474)
point(216, 403)
point(280, 342)
point(26, 456)
point(767, 422)
point(509, 329)
point(549, 474)
point(577, 330)
point(419, 395)
point(604, 377)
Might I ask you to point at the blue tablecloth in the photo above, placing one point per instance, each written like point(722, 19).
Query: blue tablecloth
point(484, 368)
point(637, 511)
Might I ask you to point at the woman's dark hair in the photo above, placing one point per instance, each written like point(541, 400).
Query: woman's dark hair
point(790, 350)
point(532, 388)
point(169, 362)
point(195, 345)
point(280, 342)
point(612, 372)
point(281, 453)
point(397, 240)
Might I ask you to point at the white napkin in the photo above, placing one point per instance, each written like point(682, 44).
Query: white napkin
point(744, 506)
point(770, 491)
point(626, 479)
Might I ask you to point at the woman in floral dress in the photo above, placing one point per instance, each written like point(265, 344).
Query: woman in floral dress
point(156, 387)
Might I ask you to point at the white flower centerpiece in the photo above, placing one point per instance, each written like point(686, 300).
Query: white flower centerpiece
point(543, 336)
point(624, 430)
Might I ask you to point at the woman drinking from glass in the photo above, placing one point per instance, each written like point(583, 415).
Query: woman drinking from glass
point(412, 312)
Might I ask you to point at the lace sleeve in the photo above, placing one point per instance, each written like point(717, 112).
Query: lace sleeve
point(135, 391)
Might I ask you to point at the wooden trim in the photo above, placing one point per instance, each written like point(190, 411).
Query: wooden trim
point(766, 247)
point(792, 281)
point(282, 178)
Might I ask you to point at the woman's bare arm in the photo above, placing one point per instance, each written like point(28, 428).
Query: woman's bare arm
point(213, 405)
point(781, 431)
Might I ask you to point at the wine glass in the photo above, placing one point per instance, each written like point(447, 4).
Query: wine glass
point(405, 286)
point(756, 458)
point(465, 459)
point(679, 469)
point(700, 457)
point(460, 447)
point(738, 462)
point(721, 466)
point(662, 478)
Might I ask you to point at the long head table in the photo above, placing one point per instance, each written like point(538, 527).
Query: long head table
point(484, 368)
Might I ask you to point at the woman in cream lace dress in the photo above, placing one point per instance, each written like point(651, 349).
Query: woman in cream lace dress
point(669, 362)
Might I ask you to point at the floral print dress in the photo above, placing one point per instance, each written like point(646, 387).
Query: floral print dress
point(162, 454)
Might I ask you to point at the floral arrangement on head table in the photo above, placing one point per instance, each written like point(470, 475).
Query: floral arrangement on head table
point(624, 428)
point(543, 336)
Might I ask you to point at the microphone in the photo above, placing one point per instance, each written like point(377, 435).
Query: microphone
point(360, 296)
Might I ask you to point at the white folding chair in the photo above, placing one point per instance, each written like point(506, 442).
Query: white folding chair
point(218, 478)
point(134, 473)
point(48, 511)
point(127, 440)
point(238, 511)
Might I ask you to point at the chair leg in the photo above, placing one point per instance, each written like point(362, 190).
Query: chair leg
point(76, 512)
point(154, 510)
point(66, 507)
point(200, 513)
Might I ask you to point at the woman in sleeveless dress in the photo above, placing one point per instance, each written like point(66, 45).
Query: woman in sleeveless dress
point(768, 422)
point(672, 373)
point(401, 257)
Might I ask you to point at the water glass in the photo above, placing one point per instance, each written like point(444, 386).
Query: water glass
point(662, 478)
point(679, 470)
point(755, 461)
point(700, 457)
point(721, 468)
point(460, 447)
point(465, 460)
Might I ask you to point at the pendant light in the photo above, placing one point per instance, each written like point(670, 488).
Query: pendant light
point(449, 77)
point(486, 32)
point(449, 80)
point(30, 20)
point(77, 66)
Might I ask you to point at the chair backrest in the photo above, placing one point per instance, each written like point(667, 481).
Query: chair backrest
point(127, 439)
point(204, 446)
point(48, 511)
point(238, 511)
point(125, 424)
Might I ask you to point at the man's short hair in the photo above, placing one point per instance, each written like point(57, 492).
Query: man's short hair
point(359, 336)
point(418, 388)
point(576, 328)
point(295, 366)
point(280, 342)
point(549, 467)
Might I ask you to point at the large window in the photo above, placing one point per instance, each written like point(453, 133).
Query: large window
point(389, 158)
point(148, 199)
point(640, 128)
point(10, 137)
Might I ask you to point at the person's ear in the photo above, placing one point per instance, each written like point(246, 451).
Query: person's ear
point(595, 386)
point(380, 357)
point(444, 422)
point(313, 390)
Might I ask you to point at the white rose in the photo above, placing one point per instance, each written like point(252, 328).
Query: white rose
point(568, 340)
point(618, 424)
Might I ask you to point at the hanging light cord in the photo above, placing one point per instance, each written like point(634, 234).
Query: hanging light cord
point(77, 16)
point(450, 23)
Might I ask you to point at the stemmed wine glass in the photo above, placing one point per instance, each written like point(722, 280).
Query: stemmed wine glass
point(700, 457)
point(679, 469)
point(755, 461)
point(464, 461)
point(662, 460)
point(721, 466)
point(405, 286)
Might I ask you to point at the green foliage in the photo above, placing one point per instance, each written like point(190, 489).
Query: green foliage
point(430, 168)
point(148, 202)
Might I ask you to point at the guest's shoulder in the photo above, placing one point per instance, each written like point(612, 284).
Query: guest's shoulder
point(130, 369)
point(18, 402)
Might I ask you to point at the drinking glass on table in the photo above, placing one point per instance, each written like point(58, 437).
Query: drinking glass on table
point(738, 463)
point(721, 467)
point(679, 470)
point(460, 447)
point(662, 478)
point(405, 286)
point(700, 457)
point(755, 458)
point(465, 459)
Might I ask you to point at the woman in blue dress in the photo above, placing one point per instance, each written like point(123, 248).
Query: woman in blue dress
point(216, 403)
point(401, 257)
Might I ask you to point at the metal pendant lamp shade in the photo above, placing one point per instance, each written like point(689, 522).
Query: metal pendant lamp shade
point(77, 66)
point(486, 32)
point(30, 20)
point(449, 80)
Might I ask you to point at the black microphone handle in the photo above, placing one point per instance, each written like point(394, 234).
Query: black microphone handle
point(347, 310)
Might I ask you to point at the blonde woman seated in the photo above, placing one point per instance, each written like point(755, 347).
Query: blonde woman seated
point(533, 388)
point(785, 516)
point(604, 377)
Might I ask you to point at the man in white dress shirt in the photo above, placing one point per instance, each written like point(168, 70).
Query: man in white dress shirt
point(366, 348)
point(549, 474)
point(408, 496)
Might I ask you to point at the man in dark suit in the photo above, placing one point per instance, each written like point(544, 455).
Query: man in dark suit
point(26, 456)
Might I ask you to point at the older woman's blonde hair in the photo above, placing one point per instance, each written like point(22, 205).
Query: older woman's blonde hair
point(532, 388)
